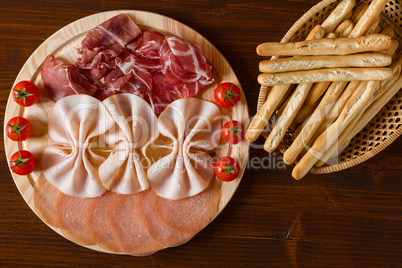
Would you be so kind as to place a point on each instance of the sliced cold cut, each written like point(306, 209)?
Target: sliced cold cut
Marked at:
point(131, 235)
point(157, 229)
point(189, 214)
point(97, 221)
point(71, 216)
point(45, 199)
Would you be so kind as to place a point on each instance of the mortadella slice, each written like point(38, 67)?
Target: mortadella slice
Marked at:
point(131, 235)
point(189, 214)
point(97, 223)
point(157, 229)
point(71, 215)
point(45, 199)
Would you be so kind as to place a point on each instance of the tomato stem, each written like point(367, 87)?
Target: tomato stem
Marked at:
point(228, 169)
point(22, 94)
point(228, 94)
point(17, 128)
point(235, 131)
point(19, 161)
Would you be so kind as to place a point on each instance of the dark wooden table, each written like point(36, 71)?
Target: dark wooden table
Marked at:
point(349, 218)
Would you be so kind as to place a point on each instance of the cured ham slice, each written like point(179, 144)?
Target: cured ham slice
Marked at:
point(123, 171)
point(157, 229)
point(131, 235)
point(71, 216)
point(113, 34)
point(191, 124)
point(190, 214)
point(70, 164)
point(61, 79)
point(148, 45)
point(97, 221)
point(45, 200)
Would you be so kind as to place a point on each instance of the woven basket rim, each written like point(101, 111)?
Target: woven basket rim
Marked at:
point(264, 91)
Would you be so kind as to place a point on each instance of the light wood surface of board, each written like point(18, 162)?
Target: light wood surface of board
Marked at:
point(63, 45)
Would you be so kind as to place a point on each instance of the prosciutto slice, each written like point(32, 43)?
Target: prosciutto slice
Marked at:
point(123, 171)
point(70, 164)
point(113, 34)
point(61, 79)
point(191, 124)
point(117, 57)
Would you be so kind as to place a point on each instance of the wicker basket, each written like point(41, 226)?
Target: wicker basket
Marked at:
point(384, 128)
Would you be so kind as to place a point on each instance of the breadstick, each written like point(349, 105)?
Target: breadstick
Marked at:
point(375, 27)
point(316, 62)
point(357, 101)
point(292, 107)
point(330, 74)
point(339, 13)
point(305, 112)
point(358, 12)
point(348, 16)
point(369, 17)
point(316, 92)
point(331, 35)
point(326, 46)
point(263, 115)
point(360, 121)
point(394, 46)
point(388, 31)
point(314, 122)
point(344, 29)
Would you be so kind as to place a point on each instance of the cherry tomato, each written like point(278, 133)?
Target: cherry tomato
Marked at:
point(227, 95)
point(22, 162)
point(25, 93)
point(227, 169)
point(233, 132)
point(18, 128)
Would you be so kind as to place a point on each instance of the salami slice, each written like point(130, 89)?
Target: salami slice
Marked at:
point(71, 215)
point(189, 214)
point(131, 235)
point(97, 221)
point(158, 230)
point(45, 199)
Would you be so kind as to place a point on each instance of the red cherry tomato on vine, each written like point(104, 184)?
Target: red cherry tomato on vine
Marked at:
point(233, 132)
point(227, 95)
point(22, 162)
point(227, 169)
point(25, 93)
point(18, 128)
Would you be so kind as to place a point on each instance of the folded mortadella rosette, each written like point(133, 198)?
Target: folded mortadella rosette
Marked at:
point(123, 171)
point(194, 126)
point(69, 163)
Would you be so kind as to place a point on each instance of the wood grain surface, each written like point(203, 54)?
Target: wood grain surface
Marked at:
point(351, 218)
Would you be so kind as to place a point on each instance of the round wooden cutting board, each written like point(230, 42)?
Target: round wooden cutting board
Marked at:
point(64, 43)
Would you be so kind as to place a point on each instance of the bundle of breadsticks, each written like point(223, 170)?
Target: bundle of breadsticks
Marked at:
point(327, 88)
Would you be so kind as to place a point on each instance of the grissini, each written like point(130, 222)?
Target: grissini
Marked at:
point(375, 28)
point(388, 31)
point(394, 46)
point(369, 17)
point(330, 74)
point(331, 35)
point(317, 62)
point(326, 46)
point(285, 119)
point(344, 29)
point(305, 111)
point(363, 118)
point(263, 115)
point(316, 92)
point(313, 122)
point(339, 13)
point(357, 101)
point(358, 12)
